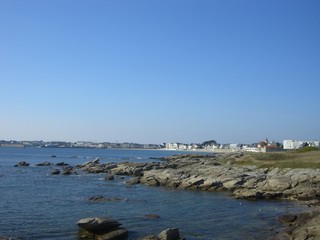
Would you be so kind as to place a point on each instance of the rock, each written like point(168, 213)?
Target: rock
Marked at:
point(84, 234)
point(55, 172)
point(62, 164)
point(151, 216)
point(169, 234)
point(116, 234)
point(109, 177)
point(105, 199)
point(288, 218)
point(98, 225)
point(133, 181)
point(68, 170)
point(43, 164)
point(22, 164)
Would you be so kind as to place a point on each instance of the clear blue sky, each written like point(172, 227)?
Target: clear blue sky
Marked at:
point(160, 71)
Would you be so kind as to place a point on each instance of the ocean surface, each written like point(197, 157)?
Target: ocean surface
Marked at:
point(37, 205)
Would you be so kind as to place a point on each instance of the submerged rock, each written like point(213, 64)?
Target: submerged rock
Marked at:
point(116, 234)
point(105, 199)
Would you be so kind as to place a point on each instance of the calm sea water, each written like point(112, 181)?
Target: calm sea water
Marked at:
point(37, 205)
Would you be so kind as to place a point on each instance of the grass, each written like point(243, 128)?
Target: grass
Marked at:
point(294, 159)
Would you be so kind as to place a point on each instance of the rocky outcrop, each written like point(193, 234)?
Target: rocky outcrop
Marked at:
point(213, 173)
point(101, 229)
point(301, 226)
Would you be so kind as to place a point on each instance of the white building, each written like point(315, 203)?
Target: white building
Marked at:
point(295, 144)
point(292, 144)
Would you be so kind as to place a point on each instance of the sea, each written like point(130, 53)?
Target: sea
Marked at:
point(34, 204)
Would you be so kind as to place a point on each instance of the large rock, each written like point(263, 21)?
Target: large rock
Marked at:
point(98, 225)
point(169, 234)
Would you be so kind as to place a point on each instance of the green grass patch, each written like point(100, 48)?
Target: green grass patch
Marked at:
point(306, 149)
point(308, 159)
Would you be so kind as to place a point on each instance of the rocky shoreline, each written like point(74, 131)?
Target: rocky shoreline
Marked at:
point(220, 172)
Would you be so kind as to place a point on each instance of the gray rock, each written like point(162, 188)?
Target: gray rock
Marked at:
point(55, 172)
point(109, 177)
point(43, 164)
point(98, 225)
point(62, 164)
point(169, 234)
point(133, 181)
point(22, 164)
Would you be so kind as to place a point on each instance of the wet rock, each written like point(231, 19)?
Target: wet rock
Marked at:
point(43, 164)
point(169, 234)
point(62, 164)
point(55, 172)
point(68, 170)
point(101, 229)
point(105, 199)
point(109, 177)
point(133, 181)
point(301, 226)
point(98, 225)
point(22, 164)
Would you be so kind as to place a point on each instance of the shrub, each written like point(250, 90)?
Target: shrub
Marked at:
point(307, 149)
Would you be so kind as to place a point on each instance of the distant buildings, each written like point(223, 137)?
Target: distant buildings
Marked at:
point(295, 144)
point(262, 146)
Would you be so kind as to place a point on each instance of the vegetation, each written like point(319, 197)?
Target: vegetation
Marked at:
point(306, 149)
point(305, 158)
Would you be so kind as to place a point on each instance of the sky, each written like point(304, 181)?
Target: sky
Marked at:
point(160, 71)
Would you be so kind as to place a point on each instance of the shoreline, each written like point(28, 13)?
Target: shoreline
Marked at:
point(225, 172)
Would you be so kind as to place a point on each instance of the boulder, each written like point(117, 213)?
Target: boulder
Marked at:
point(169, 234)
point(133, 181)
point(55, 172)
point(98, 225)
point(109, 177)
